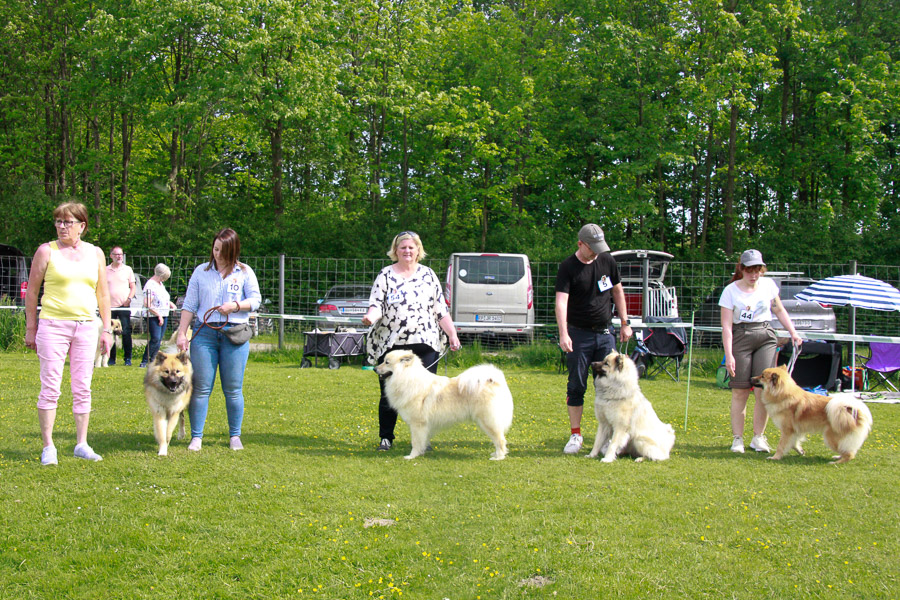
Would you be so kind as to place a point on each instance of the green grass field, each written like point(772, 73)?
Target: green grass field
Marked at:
point(310, 510)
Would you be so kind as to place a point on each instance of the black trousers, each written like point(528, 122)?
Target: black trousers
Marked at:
point(387, 416)
point(124, 315)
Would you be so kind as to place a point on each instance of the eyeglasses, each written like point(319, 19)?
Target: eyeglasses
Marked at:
point(412, 233)
point(117, 254)
point(66, 224)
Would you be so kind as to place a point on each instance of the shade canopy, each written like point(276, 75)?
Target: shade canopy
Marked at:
point(853, 290)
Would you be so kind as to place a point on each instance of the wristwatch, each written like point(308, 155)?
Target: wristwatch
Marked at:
point(626, 322)
point(108, 330)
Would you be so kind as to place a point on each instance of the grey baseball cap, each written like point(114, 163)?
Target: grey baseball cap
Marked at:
point(752, 258)
point(593, 236)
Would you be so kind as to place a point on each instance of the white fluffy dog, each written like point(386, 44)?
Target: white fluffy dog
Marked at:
point(429, 402)
point(626, 420)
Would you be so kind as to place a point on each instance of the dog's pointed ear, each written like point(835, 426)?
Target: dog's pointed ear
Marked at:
point(184, 357)
point(596, 368)
point(620, 362)
point(160, 358)
point(775, 377)
point(407, 357)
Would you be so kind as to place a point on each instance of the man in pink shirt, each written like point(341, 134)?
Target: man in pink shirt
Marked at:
point(121, 282)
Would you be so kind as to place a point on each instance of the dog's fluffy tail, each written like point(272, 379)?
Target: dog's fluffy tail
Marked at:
point(851, 420)
point(472, 381)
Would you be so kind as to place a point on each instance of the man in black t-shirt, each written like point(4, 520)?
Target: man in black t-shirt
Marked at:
point(587, 286)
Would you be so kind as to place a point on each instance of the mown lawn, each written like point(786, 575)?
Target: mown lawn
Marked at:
point(310, 510)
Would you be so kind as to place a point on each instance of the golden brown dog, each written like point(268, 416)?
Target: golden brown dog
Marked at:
point(845, 423)
point(167, 387)
point(100, 359)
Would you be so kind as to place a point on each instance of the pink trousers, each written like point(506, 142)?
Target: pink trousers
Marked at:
point(55, 340)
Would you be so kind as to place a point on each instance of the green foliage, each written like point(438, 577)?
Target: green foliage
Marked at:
point(318, 128)
point(12, 327)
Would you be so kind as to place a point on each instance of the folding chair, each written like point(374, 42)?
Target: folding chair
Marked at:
point(665, 347)
point(884, 362)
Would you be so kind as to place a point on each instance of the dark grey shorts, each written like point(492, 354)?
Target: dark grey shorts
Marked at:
point(754, 347)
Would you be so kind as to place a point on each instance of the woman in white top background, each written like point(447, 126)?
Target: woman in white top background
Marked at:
point(158, 303)
point(747, 306)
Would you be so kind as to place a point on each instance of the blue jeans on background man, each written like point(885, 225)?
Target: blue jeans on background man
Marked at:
point(157, 332)
point(124, 315)
point(211, 351)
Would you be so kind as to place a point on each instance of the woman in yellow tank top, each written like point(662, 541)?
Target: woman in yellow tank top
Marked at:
point(73, 274)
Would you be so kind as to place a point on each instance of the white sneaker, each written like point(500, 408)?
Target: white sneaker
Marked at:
point(195, 444)
point(86, 452)
point(574, 445)
point(760, 444)
point(738, 444)
point(235, 443)
point(48, 456)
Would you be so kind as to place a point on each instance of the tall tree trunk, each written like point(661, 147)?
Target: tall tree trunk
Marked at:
point(707, 191)
point(112, 147)
point(784, 177)
point(729, 178)
point(404, 164)
point(95, 130)
point(127, 139)
point(275, 140)
point(661, 203)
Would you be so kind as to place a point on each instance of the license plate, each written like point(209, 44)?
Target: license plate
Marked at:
point(488, 318)
point(353, 311)
point(803, 323)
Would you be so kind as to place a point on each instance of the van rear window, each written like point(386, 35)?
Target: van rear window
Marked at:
point(491, 270)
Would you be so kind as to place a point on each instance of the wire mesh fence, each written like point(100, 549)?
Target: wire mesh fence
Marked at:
point(292, 287)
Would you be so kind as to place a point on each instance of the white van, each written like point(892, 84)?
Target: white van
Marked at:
point(491, 294)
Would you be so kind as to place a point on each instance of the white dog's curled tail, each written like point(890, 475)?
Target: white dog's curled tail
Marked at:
point(472, 381)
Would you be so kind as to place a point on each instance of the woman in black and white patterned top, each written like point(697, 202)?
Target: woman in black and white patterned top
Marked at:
point(407, 309)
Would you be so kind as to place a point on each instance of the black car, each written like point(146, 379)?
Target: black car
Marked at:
point(13, 276)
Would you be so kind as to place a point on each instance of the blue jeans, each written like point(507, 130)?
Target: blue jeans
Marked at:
point(587, 346)
point(211, 350)
point(156, 335)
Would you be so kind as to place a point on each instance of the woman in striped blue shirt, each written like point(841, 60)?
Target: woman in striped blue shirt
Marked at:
point(221, 293)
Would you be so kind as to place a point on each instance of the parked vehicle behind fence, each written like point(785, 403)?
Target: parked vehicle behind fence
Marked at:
point(491, 295)
point(662, 301)
point(13, 275)
point(346, 300)
point(808, 317)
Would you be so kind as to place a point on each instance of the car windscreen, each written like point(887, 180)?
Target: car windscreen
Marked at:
point(348, 291)
point(789, 289)
point(491, 270)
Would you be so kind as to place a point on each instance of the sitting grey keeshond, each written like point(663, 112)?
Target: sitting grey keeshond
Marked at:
point(626, 421)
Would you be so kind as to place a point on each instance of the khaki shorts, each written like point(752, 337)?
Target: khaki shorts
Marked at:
point(754, 347)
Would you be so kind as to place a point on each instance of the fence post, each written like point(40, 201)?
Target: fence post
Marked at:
point(281, 301)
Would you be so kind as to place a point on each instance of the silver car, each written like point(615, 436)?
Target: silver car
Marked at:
point(809, 317)
point(345, 300)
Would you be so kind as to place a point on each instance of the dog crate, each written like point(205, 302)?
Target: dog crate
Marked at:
point(819, 364)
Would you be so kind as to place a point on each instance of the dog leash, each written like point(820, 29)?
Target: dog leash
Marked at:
point(795, 354)
point(442, 355)
point(206, 317)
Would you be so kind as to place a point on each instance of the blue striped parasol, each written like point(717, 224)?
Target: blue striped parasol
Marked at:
point(855, 291)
